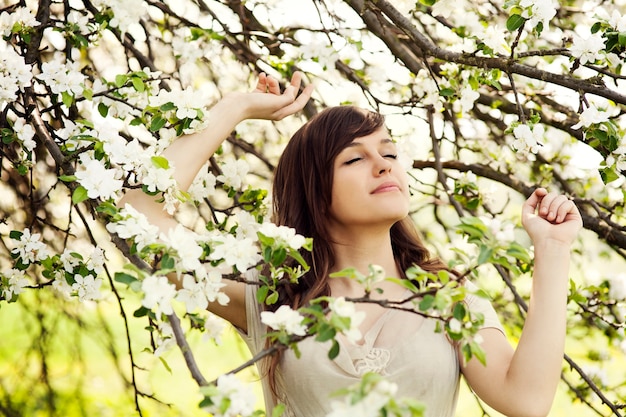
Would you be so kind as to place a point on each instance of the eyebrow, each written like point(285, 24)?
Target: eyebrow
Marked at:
point(382, 141)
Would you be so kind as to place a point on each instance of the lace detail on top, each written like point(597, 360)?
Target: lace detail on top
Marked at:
point(375, 361)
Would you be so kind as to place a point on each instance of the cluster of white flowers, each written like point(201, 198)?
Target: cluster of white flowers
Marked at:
point(239, 253)
point(284, 236)
point(126, 12)
point(587, 48)
point(502, 232)
point(21, 15)
point(30, 248)
point(87, 287)
point(134, 225)
point(539, 11)
point(591, 115)
point(25, 133)
point(188, 101)
point(14, 73)
point(285, 318)
point(203, 185)
point(425, 87)
point(15, 283)
point(62, 76)
point(370, 405)
point(496, 38)
point(196, 295)
point(343, 308)
point(165, 339)
point(233, 173)
point(238, 398)
point(185, 243)
point(99, 181)
point(528, 141)
point(158, 294)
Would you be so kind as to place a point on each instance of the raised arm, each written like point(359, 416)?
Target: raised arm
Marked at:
point(189, 153)
point(523, 382)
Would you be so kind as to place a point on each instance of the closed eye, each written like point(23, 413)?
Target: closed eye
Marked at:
point(352, 161)
point(392, 156)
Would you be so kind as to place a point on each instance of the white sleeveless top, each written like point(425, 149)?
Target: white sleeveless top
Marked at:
point(401, 346)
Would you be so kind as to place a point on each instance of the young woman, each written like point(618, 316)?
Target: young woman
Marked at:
point(340, 182)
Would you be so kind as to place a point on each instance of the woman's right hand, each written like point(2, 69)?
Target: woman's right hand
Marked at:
point(267, 102)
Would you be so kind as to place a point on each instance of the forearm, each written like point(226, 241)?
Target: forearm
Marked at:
point(188, 154)
point(535, 369)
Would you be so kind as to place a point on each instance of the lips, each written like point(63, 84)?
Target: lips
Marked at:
point(386, 187)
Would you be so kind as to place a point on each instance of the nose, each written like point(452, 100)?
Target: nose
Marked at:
point(382, 166)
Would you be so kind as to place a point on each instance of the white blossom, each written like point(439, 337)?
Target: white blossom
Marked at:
point(283, 235)
point(233, 173)
point(285, 318)
point(30, 248)
point(239, 397)
point(185, 243)
point(134, 225)
point(20, 15)
point(240, 253)
point(158, 294)
point(14, 73)
point(25, 132)
point(203, 185)
point(587, 49)
point(213, 328)
point(468, 98)
point(126, 12)
point(62, 76)
point(527, 140)
point(539, 11)
point(61, 287)
point(591, 115)
point(87, 287)
point(16, 282)
point(368, 405)
point(70, 260)
point(98, 180)
point(165, 339)
point(503, 233)
point(495, 38)
point(343, 308)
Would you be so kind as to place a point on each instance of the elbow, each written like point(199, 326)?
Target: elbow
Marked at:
point(532, 409)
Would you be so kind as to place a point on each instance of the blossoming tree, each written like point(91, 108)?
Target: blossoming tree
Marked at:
point(487, 99)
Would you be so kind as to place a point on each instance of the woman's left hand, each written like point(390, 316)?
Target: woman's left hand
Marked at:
point(551, 216)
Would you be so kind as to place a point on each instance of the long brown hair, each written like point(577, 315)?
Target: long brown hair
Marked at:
point(303, 182)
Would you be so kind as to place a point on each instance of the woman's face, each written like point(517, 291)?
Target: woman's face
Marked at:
point(370, 186)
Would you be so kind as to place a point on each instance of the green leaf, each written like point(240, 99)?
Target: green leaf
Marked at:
point(325, 333)
point(514, 22)
point(67, 98)
point(446, 92)
point(103, 109)
point(261, 294)
point(278, 410)
point(485, 254)
point(167, 262)
point(621, 38)
point(165, 364)
point(608, 175)
point(141, 312)
point(138, 84)
point(427, 302)
point(334, 351)
point(79, 195)
point(160, 162)
point(120, 80)
point(15, 234)
point(157, 123)
point(67, 178)
point(124, 278)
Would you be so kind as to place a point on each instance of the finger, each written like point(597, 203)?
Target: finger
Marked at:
point(261, 84)
point(553, 207)
point(544, 204)
point(565, 209)
point(533, 201)
point(296, 105)
point(272, 85)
